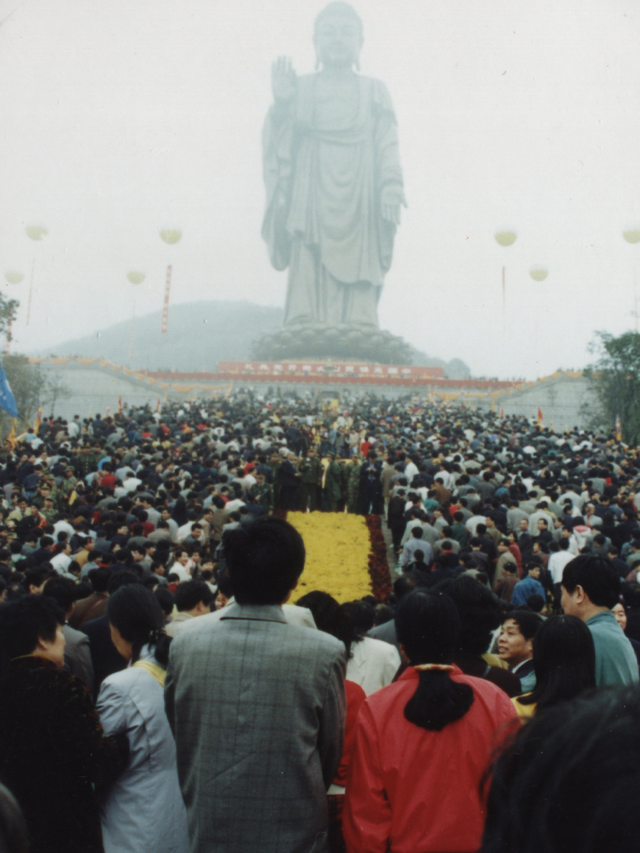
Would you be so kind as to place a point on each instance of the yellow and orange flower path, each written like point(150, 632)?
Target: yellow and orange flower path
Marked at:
point(338, 547)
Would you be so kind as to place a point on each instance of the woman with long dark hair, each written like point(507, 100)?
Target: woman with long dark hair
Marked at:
point(564, 661)
point(422, 743)
point(144, 808)
point(561, 784)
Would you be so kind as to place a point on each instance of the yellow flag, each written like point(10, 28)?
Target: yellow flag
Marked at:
point(11, 438)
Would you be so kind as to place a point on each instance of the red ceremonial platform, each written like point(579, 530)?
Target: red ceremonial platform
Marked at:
point(330, 372)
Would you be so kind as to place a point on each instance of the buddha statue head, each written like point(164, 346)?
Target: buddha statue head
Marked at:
point(338, 36)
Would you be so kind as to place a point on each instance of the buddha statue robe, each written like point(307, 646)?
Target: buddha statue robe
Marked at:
point(327, 157)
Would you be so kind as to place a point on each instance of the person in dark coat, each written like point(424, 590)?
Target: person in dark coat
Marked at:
point(289, 483)
point(52, 747)
point(372, 500)
point(479, 616)
point(105, 658)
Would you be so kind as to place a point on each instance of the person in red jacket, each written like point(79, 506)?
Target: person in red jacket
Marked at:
point(422, 744)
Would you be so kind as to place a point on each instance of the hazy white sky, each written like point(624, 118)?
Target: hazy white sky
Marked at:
point(123, 117)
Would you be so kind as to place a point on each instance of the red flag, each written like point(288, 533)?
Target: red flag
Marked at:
point(120, 404)
point(539, 415)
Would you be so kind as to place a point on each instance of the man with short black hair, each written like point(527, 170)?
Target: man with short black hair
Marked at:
point(515, 645)
point(414, 543)
point(530, 585)
point(77, 655)
point(192, 598)
point(261, 702)
point(590, 588)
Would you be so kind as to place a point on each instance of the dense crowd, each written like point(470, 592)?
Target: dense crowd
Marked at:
point(159, 692)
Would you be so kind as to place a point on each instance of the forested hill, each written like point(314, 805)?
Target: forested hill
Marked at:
point(200, 334)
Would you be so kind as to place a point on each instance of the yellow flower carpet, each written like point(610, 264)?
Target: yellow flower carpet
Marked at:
point(338, 548)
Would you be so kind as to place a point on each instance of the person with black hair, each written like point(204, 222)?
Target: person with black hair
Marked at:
point(143, 809)
point(166, 601)
point(402, 586)
point(77, 655)
point(529, 585)
point(104, 655)
point(559, 786)
point(433, 724)
point(44, 553)
point(52, 746)
point(620, 612)
point(396, 518)
point(192, 599)
point(479, 616)
point(418, 563)
point(515, 645)
point(94, 605)
point(564, 660)
point(36, 577)
point(505, 585)
point(537, 604)
point(590, 588)
point(254, 760)
point(371, 663)
point(416, 543)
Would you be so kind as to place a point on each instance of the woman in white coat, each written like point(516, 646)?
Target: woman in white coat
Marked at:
point(143, 811)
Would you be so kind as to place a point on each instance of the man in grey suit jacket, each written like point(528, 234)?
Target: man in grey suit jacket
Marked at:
point(257, 707)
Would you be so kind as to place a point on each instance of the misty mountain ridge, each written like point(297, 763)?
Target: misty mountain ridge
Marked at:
point(199, 335)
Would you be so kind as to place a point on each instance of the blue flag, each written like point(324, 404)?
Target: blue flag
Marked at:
point(7, 400)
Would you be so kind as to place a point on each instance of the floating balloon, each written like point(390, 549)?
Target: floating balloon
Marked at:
point(36, 232)
point(506, 238)
point(13, 277)
point(632, 235)
point(136, 277)
point(538, 273)
point(171, 235)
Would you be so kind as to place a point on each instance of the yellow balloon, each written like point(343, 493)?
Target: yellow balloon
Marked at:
point(171, 235)
point(506, 238)
point(538, 273)
point(136, 277)
point(13, 277)
point(632, 235)
point(36, 232)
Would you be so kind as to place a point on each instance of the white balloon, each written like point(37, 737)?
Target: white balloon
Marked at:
point(632, 235)
point(505, 238)
point(36, 232)
point(13, 277)
point(171, 235)
point(538, 273)
point(136, 277)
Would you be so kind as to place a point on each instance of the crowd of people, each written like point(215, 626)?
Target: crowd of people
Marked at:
point(159, 691)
